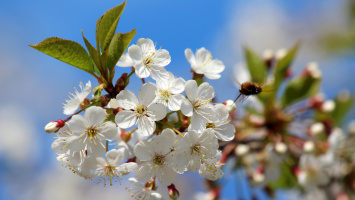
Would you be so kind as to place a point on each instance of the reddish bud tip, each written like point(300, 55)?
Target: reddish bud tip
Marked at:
point(173, 192)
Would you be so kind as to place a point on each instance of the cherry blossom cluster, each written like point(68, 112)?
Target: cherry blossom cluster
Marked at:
point(158, 134)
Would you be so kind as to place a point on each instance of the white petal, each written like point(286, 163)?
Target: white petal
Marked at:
point(95, 115)
point(162, 58)
point(101, 163)
point(175, 102)
point(114, 157)
point(178, 86)
point(76, 143)
point(125, 61)
point(125, 119)
point(141, 70)
point(162, 144)
point(147, 45)
point(78, 124)
point(190, 57)
point(186, 107)
point(159, 73)
point(225, 132)
point(108, 130)
point(166, 175)
point(86, 91)
point(71, 106)
point(191, 89)
point(144, 151)
point(126, 168)
point(198, 122)
point(169, 133)
point(96, 150)
point(59, 146)
point(205, 91)
point(212, 76)
point(157, 111)
point(202, 56)
point(135, 53)
point(127, 95)
point(146, 125)
point(144, 172)
point(147, 93)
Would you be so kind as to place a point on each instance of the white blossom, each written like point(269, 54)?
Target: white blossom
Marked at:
point(211, 169)
point(144, 112)
point(77, 98)
point(168, 92)
point(198, 104)
point(90, 132)
point(109, 167)
point(139, 191)
point(196, 148)
point(223, 130)
point(202, 63)
point(157, 160)
point(148, 61)
point(312, 172)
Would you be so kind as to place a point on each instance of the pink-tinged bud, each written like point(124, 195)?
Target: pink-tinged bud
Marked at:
point(317, 129)
point(126, 136)
point(296, 171)
point(308, 146)
point(54, 126)
point(103, 101)
point(258, 176)
point(230, 105)
point(327, 106)
point(121, 83)
point(280, 53)
point(173, 192)
point(312, 70)
point(316, 100)
point(280, 147)
point(268, 56)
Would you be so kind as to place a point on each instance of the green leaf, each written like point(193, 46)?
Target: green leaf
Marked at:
point(342, 107)
point(256, 66)
point(93, 53)
point(67, 51)
point(300, 88)
point(107, 24)
point(283, 65)
point(118, 46)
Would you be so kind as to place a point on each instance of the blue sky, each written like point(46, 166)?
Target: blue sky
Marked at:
point(35, 85)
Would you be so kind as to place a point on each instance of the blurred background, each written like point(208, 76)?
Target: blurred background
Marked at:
point(33, 85)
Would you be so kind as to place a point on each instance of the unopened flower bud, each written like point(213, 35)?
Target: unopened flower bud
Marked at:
point(84, 103)
point(242, 149)
point(54, 126)
point(173, 192)
point(308, 146)
point(312, 70)
point(317, 128)
point(258, 177)
point(268, 56)
point(288, 73)
point(121, 83)
point(230, 105)
point(280, 147)
point(126, 136)
point(327, 106)
point(280, 53)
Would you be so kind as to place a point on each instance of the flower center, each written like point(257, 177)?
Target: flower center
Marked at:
point(147, 61)
point(91, 132)
point(196, 149)
point(158, 160)
point(210, 125)
point(141, 110)
point(109, 170)
point(165, 94)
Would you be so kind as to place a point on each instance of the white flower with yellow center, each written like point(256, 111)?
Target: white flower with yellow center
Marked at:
point(198, 104)
point(157, 160)
point(148, 61)
point(168, 92)
point(144, 112)
point(202, 63)
point(109, 167)
point(211, 169)
point(195, 148)
point(90, 132)
point(77, 99)
point(223, 130)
